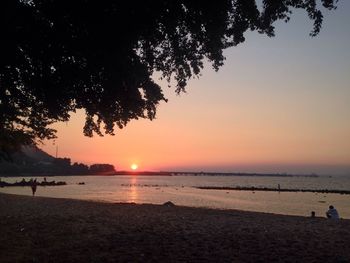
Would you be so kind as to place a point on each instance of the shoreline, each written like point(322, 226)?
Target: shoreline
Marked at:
point(288, 203)
point(40, 229)
point(166, 204)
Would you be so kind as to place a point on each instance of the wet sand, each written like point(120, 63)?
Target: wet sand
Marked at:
point(35, 229)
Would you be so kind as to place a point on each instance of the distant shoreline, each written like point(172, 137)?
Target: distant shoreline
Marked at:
point(162, 173)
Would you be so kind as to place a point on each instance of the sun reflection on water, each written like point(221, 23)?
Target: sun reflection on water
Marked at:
point(133, 193)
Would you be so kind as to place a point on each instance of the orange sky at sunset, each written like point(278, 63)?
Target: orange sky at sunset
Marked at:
point(277, 105)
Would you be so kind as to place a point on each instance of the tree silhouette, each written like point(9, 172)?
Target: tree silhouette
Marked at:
point(58, 56)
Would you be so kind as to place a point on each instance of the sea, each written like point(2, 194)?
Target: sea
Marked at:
point(182, 191)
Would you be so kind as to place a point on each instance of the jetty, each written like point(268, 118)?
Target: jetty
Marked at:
point(269, 189)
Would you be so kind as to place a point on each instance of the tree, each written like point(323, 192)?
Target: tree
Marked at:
point(102, 168)
point(58, 56)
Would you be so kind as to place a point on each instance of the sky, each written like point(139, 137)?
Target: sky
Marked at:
point(279, 105)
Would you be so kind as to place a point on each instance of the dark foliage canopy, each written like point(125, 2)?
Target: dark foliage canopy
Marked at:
point(57, 56)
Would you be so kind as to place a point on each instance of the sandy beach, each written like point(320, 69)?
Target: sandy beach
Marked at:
point(35, 229)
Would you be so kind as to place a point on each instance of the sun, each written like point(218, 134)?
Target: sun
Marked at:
point(134, 166)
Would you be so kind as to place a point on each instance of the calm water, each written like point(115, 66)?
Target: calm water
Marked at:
point(180, 190)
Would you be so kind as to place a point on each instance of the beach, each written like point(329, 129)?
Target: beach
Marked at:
point(38, 229)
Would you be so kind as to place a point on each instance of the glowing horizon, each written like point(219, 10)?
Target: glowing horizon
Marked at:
point(279, 105)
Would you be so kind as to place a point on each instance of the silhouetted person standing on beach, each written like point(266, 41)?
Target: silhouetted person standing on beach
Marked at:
point(33, 185)
point(332, 213)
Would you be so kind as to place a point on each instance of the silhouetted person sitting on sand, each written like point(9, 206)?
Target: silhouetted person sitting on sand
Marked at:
point(332, 213)
point(33, 185)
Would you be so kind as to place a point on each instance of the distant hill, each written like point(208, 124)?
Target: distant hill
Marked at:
point(31, 154)
point(33, 161)
point(37, 154)
point(30, 160)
